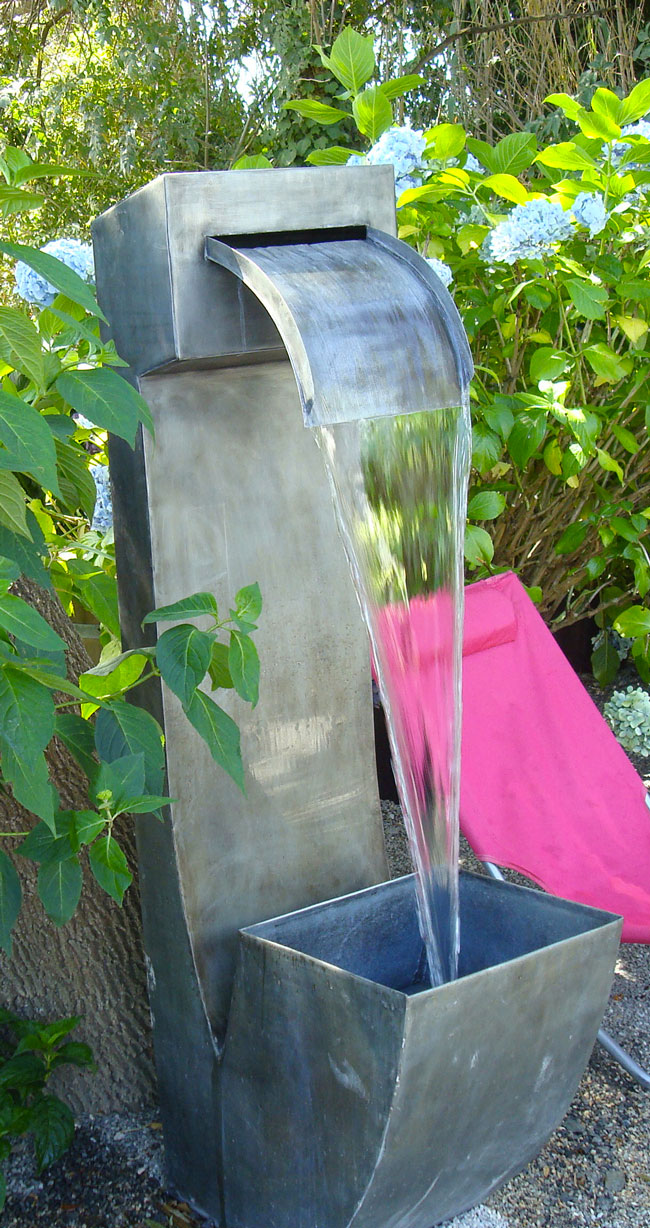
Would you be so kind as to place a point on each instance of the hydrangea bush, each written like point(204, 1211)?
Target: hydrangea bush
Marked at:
point(548, 252)
point(34, 288)
point(628, 715)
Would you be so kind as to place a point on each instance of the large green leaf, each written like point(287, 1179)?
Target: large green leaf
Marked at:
point(13, 513)
point(336, 155)
point(605, 662)
point(24, 622)
point(106, 399)
point(188, 607)
point(526, 437)
point(310, 108)
point(45, 844)
point(508, 187)
point(486, 505)
point(605, 362)
point(183, 655)
point(30, 783)
point(20, 344)
point(78, 736)
point(352, 59)
point(29, 441)
point(248, 603)
point(56, 274)
point(478, 545)
point(633, 622)
point(396, 87)
point(588, 299)
point(28, 554)
point(637, 103)
point(125, 729)
point(76, 483)
point(513, 154)
point(10, 900)
point(52, 1126)
point(104, 682)
point(372, 112)
point(572, 537)
point(598, 126)
point(108, 864)
point(59, 888)
point(566, 156)
point(220, 734)
point(244, 666)
point(218, 667)
point(26, 713)
point(486, 447)
point(123, 777)
point(604, 102)
point(97, 591)
point(13, 200)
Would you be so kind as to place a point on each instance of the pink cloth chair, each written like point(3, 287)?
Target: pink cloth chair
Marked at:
point(546, 789)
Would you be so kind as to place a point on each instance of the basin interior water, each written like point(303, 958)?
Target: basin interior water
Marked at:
point(375, 933)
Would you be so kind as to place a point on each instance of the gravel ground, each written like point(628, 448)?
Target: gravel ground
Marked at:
point(594, 1171)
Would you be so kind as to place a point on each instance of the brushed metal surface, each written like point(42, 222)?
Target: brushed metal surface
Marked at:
point(166, 303)
point(350, 1103)
point(369, 328)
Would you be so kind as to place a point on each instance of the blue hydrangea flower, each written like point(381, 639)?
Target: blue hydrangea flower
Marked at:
point(642, 128)
point(528, 232)
point(401, 148)
point(441, 270)
point(589, 210)
point(35, 289)
point(472, 164)
point(103, 514)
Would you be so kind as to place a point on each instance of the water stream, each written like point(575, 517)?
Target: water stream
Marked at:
point(399, 487)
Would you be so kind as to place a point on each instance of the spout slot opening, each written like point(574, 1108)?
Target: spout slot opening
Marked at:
point(284, 238)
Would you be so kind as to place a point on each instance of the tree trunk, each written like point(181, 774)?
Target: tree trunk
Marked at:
point(93, 966)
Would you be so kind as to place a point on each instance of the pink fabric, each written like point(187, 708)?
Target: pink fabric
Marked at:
point(546, 789)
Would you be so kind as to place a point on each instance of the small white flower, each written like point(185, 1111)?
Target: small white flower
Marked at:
point(528, 232)
point(441, 270)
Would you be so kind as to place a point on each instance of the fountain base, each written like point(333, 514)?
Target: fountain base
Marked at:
point(354, 1096)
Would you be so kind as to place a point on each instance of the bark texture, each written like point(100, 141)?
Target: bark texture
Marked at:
point(93, 966)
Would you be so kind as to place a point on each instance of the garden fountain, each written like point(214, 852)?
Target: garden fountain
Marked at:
point(310, 1076)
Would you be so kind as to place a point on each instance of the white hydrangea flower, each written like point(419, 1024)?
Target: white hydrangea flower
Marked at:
point(441, 270)
point(589, 210)
point(473, 165)
point(628, 716)
point(642, 128)
point(401, 148)
point(35, 289)
point(528, 232)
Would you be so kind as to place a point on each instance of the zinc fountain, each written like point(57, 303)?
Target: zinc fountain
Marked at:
point(312, 1073)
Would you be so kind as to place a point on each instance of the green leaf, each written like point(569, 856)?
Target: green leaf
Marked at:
point(526, 437)
point(486, 505)
point(59, 888)
point(566, 104)
point(44, 844)
point(633, 622)
point(78, 736)
point(598, 126)
point(12, 504)
point(218, 667)
point(123, 777)
point(605, 103)
point(486, 447)
point(75, 480)
point(478, 545)
point(352, 59)
point(626, 439)
point(30, 783)
point(605, 362)
point(608, 463)
point(105, 399)
point(108, 864)
point(396, 87)
point(56, 273)
point(10, 900)
point(97, 591)
point(252, 162)
point(26, 713)
point(310, 108)
point(9, 571)
point(103, 681)
point(182, 656)
point(13, 200)
point(248, 603)
point(149, 803)
point(125, 729)
point(637, 103)
point(20, 344)
point(605, 662)
point(24, 622)
point(336, 155)
point(81, 826)
point(372, 112)
point(188, 607)
point(513, 154)
point(445, 141)
point(220, 734)
point(508, 187)
point(588, 299)
point(244, 666)
point(74, 1053)
point(548, 364)
point(23, 1070)
point(52, 1126)
point(28, 554)
point(29, 442)
point(566, 156)
point(572, 537)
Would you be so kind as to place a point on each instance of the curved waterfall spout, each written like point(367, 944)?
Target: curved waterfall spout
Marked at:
point(370, 330)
